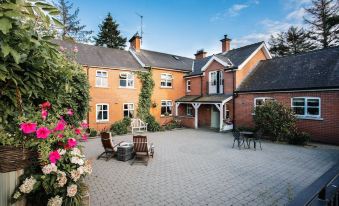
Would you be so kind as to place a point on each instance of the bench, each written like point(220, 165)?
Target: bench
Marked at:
point(139, 125)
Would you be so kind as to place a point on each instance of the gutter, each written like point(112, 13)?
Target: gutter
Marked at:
point(234, 95)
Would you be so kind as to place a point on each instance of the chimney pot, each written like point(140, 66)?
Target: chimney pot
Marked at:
point(135, 42)
point(200, 54)
point(225, 44)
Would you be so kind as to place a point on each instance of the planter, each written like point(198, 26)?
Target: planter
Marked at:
point(13, 158)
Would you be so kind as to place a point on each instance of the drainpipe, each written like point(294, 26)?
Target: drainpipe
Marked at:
point(234, 95)
point(87, 72)
point(200, 85)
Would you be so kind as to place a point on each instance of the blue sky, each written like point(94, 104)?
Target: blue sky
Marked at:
point(183, 26)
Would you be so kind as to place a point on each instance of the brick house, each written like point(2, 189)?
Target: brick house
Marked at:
point(209, 87)
point(308, 83)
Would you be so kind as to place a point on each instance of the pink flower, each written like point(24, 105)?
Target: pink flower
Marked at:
point(46, 105)
point(84, 125)
point(75, 49)
point(84, 137)
point(43, 133)
point(44, 114)
point(60, 125)
point(60, 136)
point(70, 112)
point(54, 156)
point(71, 143)
point(77, 131)
point(28, 128)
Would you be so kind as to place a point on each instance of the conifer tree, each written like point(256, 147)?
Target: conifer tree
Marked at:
point(323, 15)
point(109, 34)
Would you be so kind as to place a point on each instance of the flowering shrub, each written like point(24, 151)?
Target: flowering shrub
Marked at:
point(57, 176)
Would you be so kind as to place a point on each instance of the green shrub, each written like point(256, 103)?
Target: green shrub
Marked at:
point(153, 125)
point(93, 133)
point(298, 138)
point(121, 127)
point(275, 120)
point(249, 129)
point(172, 125)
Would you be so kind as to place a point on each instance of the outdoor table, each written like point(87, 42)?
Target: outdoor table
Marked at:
point(247, 136)
point(125, 151)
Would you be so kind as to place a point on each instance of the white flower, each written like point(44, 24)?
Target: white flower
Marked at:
point(88, 167)
point(81, 170)
point(61, 151)
point(62, 179)
point(55, 201)
point(75, 175)
point(27, 185)
point(81, 162)
point(72, 190)
point(75, 152)
point(47, 169)
point(16, 195)
point(77, 160)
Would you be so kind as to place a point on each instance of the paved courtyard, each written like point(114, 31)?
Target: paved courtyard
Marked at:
point(199, 167)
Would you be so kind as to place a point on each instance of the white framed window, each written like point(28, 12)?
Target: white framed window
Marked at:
point(189, 110)
point(166, 107)
point(259, 101)
point(126, 80)
point(101, 78)
point(188, 85)
point(306, 106)
point(128, 110)
point(102, 111)
point(166, 80)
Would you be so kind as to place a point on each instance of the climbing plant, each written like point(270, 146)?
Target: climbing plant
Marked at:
point(145, 101)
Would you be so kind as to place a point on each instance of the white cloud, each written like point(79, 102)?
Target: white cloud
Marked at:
point(236, 8)
point(297, 14)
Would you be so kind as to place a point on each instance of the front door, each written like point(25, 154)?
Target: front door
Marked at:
point(215, 118)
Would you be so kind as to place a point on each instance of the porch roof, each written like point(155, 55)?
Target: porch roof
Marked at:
point(205, 99)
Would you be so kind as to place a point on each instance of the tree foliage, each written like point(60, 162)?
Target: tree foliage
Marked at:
point(72, 27)
point(323, 15)
point(109, 34)
point(32, 69)
point(294, 41)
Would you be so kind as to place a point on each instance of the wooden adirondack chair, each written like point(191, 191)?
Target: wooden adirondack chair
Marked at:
point(107, 143)
point(142, 149)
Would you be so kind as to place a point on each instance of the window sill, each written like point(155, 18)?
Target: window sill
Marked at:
point(102, 87)
point(165, 116)
point(166, 87)
point(309, 118)
point(102, 121)
point(126, 87)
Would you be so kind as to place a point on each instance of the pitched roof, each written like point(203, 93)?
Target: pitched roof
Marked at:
point(101, 56)
point(235, 57)
point(163, 60)
point(204, 99)
point(317, 69)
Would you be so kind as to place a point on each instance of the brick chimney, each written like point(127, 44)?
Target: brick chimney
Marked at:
point(200, 54)
point(225, 44)
point(135, 42)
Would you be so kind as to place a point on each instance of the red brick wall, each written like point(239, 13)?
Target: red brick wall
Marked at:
point(195, 85)
point(326, 130)
point(228, 82)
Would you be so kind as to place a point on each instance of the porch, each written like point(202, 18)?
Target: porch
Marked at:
point(212, 111)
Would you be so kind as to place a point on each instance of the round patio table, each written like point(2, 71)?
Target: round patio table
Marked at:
point(247, 136)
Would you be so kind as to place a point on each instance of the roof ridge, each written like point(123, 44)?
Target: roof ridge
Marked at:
point(166, 53)
point(303, 53)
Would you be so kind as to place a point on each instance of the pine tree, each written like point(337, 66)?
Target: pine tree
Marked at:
point(298, 41)
point(72, 27)
point(323, 31)
point(109, 34)
point(278, 46)
point(294, 41)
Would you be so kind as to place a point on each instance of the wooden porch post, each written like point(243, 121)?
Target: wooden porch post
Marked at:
point(176, 108)
point(196, 107)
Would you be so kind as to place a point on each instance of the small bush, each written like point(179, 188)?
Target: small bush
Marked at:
point(93, 133)
point(275, 120)
point(298, 138)
point(153, 125)
point(172, 125)
point(249, 129)
point(121, 127)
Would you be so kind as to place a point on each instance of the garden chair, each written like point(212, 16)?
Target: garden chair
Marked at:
point(138, 124)
point(109, 147)
point(237, 138)
point(257, 138)
point(142, 149)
